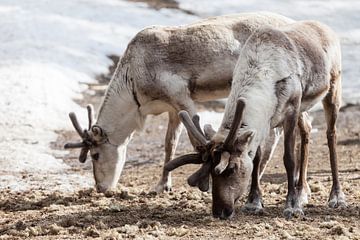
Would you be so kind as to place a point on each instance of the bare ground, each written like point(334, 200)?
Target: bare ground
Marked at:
point(185, 212)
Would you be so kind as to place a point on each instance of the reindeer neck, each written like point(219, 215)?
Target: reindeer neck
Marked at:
point(260, 105)
point(119, 112)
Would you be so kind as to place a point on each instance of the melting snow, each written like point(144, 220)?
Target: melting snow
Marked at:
point(48, 48)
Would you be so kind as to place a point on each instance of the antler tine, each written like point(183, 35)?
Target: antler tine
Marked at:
point(76, 124)
point(240, 105)
point(201, 177)
point(196, 121)
point(191, 128)
point(90, 110)
point(83, 154)
point(74, 145)
point(209, 131)
point(194, 158)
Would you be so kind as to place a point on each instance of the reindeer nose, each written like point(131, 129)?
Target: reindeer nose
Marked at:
point(100, 188)
point(225, 213)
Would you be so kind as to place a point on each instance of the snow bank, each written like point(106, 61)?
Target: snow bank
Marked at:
point(47, 48)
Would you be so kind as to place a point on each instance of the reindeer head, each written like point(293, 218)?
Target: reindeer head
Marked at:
point(103, 153)
point(228, 162)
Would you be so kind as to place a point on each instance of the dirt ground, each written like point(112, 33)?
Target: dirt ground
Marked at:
point(185, 213)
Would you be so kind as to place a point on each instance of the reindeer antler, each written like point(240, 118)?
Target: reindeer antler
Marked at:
point(191, 127)
point(240, 105)
point(201, 177)
point(86, 143)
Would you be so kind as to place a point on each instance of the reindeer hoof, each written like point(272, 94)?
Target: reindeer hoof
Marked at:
point(337, 200)
point(298, 212)
point(253, 208)
point(160, 188)
point(288, 213)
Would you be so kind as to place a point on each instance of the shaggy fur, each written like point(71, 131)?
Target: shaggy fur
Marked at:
point(282, 72)
point(165, 69)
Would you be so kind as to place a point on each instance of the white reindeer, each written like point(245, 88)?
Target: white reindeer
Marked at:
point(281, 73)
point(165, 69)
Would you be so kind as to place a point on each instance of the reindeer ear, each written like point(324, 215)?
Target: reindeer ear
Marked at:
point(244, 140)
point(247, 136)
point(97, 131)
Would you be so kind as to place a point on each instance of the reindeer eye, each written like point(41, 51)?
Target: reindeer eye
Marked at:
point(95, 156)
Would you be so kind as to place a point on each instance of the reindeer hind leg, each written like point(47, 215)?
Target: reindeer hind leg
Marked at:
point(305, 127)
point(331, 105)
point(171, 140)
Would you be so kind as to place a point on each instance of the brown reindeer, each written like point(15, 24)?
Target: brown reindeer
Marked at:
point(165, 69)
point(281, 73)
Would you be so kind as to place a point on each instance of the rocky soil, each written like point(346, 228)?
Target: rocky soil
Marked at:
point(185, 213)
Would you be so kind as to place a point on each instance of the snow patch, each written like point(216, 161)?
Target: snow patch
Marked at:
point(47, 49)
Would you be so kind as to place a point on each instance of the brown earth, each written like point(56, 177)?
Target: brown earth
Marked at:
point(185, 212)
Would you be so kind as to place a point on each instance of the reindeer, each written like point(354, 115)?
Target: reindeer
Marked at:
point(281, 73)
point(164, 69)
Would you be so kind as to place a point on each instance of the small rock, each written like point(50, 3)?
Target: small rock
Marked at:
point(286, 235)
point(316, 187)
point(267, 226)
point(194, 196)
point(92, 232)
point(338, 230)
point(54, 229)
point(88, 218)
point(131, 230)
point(329, 224)
point(86, 192)
point(279, 224)
point(33, 231)
point(68, 222)
point(179, 232)
point(113, 235)
point(115, 208)
point(20, 225)
point(13, 232)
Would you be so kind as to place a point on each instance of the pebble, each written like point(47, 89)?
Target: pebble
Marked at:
point(115, 208)
point(92, 232)
point(20, 225)
point(339, 230)
point(179, 232)
point(329, 224)
point(316, 187)
point(33, 231)
point(286, 235)
point(54, 229)
point(131, 230)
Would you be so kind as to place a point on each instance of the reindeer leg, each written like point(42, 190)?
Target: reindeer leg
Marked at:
point(171, 140)
point(268, 148)
point(292, 204)
point(302, 185)
point(254, 202)
point(331, 105)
